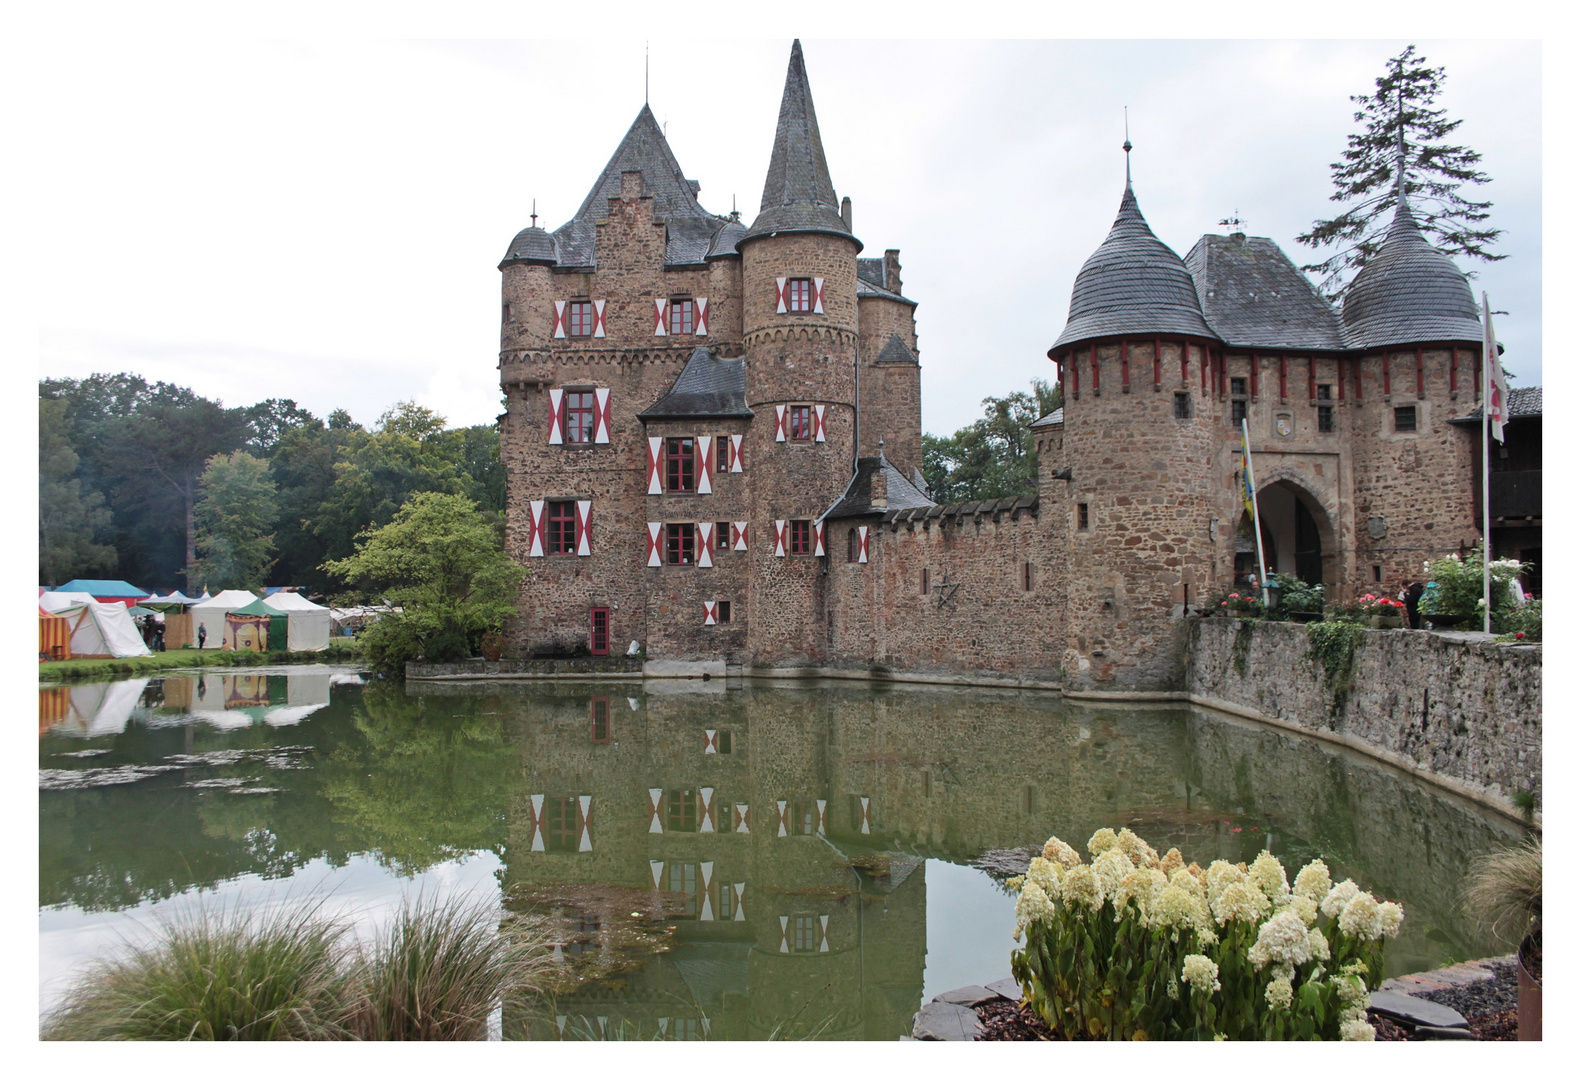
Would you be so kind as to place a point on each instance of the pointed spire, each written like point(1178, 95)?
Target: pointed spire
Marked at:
point(643, 149)
point(798, 195)
point(1126, 146)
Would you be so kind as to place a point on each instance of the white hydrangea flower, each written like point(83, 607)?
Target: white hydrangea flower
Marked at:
point(1282, 940)
point(1141, 885)
point(1313, 880)
point(1058, 851)
point(1392, 916)
point(1348, 983)
point(1221, 875)
point(1201, 973)
point(1014, 884)
point(1304, 906)
point(1356, 1031)
point(1240, 900)
point(1029, 906)
point(1338, 897)
point(1047, 874)
point(1171, 862)
point(1176, 909)
point(1102, 841)
point(1279, 994)
point(1139, 851)
point(1268, 874)
point(1082, 888)
point(1185, 879)
point(1317, 944)
point(1206, 938)
point(1362, 918)
point(1111, 868)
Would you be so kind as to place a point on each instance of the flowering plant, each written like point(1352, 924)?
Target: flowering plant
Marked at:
point(1140, 946)
point(1380, 605)
point(1456, 585)
point(1236, 605)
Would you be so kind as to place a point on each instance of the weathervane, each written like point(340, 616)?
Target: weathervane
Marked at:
point(1234, 221)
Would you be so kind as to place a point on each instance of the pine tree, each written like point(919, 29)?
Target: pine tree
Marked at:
point(1401, 145)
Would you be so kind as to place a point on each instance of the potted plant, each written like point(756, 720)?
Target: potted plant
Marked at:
point(1382, 612)
point(1453, 596)
point(1235, 605)
point(1298, 601)
point(1505, 890)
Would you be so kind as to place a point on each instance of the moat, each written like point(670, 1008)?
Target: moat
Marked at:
point(719, 860)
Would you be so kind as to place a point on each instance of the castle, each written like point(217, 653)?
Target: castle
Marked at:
point(713, 438)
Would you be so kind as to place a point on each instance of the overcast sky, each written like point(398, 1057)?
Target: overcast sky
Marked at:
point(322, 219)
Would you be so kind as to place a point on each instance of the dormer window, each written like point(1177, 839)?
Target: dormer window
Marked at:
point(683, 315)
point(798, 295)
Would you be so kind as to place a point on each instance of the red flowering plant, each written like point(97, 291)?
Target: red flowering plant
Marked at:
point(1380, 605)
point(1236, 605)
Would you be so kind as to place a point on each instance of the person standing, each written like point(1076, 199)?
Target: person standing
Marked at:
point(203, 634)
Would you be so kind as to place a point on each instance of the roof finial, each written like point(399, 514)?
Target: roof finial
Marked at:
point(1400, 145)
point(534, 214)
point(1126, 146)
point(1234, 221)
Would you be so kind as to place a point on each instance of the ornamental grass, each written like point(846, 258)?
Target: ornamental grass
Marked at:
point(1139, 946)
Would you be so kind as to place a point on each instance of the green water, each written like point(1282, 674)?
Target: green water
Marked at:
point(688, 903)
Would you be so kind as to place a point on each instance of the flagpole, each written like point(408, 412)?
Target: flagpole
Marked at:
point(1257, 525)
point(1489, 357)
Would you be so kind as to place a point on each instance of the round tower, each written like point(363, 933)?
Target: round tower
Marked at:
point(799, 333)
point(1136, 364)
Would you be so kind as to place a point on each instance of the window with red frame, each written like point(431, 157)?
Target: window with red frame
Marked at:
point(721, 454)
point(580, 411)
point(680, 465)
point(598, 715)
point(560, 823)
point(680, 544)
point(855, 552)
point(579, 318)
point(801, 538)
point(800, 423)
point(683, 316)
point(798, 294)
point(721, 536)
point(561, 526)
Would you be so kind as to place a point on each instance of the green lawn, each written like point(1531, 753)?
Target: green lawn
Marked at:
point(340, 651)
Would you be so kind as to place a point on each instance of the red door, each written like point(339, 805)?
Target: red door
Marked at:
point(598, 632)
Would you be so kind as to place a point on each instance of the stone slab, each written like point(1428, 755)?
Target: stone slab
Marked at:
point(1008, 989)
point(1463, 974)
point(940, 1021)
point(969, 996)
point(1423, 1034)
point(1415, 1011)
point(684, 669)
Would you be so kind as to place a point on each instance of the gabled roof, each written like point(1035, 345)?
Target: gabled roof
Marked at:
point(1252, 295)
point(798, 195)
point(102, 587)
point(857, 499)
point(1409, 292)
point(895, 352)
point(1055, 417)
point(1133, 284)
point(707, 386)
point(1525, 402)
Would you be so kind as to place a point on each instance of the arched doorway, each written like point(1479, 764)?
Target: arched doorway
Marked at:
point(1297, 536)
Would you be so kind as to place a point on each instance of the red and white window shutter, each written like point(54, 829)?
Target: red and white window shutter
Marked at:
point(817, 422)
point(705, 543)
point(655, 825)
point(738, 535)
point(710, 741)
point(779, 539)
point(705, 823)
point(706, 872)
point(779, 423)
point(861, 543)
point(584, 821)
point(710, 613)
point(537, 822)
point(601, 418)
point(555, 412)
point(598, 318)
point(584, 519)
point(535, 530)
point(705, 464)
point(559, 318)
point(735, 453)
point(661, 317)
point(817, 537)
point(655, 459)
point(779, 297)
point(655, 528)
point(817, 296)
point(702, 316)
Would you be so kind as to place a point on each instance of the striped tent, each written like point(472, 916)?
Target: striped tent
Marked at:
point(54, 637)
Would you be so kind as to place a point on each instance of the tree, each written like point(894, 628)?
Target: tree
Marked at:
point(992, 458)
point(69, 519)
point(269, 420)
point(442, 564)
point(1401, 146)
point(236, 513)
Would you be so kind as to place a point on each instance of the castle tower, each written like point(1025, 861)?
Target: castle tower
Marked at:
point(800, 335)
point(1139, 508)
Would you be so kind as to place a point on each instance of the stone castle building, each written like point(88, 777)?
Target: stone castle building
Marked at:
point(713, 437)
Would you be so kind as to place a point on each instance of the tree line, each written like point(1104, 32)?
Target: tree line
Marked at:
point(160, 486)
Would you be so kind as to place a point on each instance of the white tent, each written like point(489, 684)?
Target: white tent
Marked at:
point(55, 602)
point(211, 615)
point(99, 630)
point(101, 708)
point(307, 624)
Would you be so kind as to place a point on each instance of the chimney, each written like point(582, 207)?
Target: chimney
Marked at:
point(878, 488)
point(845, 212)
point(892, 270)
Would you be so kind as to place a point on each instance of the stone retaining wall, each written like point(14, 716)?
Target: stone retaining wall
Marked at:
point(528, 669)
point(1453, 706)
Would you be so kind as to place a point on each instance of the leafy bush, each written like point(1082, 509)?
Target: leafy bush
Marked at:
point(1332, 645)
point(1136, 946)
point(1297, 595)
point(1455, 587)
point(1524, 623)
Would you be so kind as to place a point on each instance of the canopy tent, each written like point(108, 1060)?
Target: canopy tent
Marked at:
point(257, 627)
point(106, 592)
point(59, 601)
point(174, 598)
point(210, 615)
point(308, 628)
point(54, 637)
point(103, 630)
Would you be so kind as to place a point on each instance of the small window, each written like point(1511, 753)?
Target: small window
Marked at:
point(1377, 573)
point(803, 817)
point(580, 411)
point(1081, 515)
point(683, 886)
point(925, 581)
point(680, 465)
point(798, 294)
point(561, 518)
point(560, 823)
point(1237, 401)
point(579, 318)
point(1325, 411)
point(505, 313)
point(723, 615)
point(1182, 406)
point(721, 536)
point(854, 546)
point(680, 544)
point(1026, 577)
point(683, 316)
point(1405, 418)
point(727, 895)
point(721, 454)
point(801, 537)
point(680, 812)
point(598, 719)
point(724, 742)
point(806, 935)
point(799, 423)
point(598, 632)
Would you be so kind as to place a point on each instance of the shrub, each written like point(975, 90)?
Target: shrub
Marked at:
point(1455, 587)
point(1136, 946)
point(1297, 595)
point(1236, 605)
point(1332, 645)
point(1525, 621)
point(1505, 890)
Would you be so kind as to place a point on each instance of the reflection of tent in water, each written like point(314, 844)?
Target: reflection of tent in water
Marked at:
point(304, 696)
point(308, 629)
point(53, 704)
point(99, 708)
point(232, 701)
point(257, 627)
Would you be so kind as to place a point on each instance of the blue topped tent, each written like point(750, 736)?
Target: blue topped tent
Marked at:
point(106, 592)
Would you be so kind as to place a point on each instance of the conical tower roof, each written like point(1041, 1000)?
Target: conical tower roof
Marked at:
point(1409, 292)
point(798, 195)
point(1133, 284)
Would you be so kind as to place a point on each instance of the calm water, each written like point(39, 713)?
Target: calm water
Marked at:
point(720, 861)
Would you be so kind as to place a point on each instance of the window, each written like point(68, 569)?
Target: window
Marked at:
point(1081, 515)
point(1377, 572)
point(680, 544)
point(579, 318)
point(799, 423)
point(1182, 406)
point(798, 294)
point(561, 518)
point(680, 810)
point(925, 581)
point(806, 936)
point(854, 546)
point(559, 823)
point(723, 742)
point(721, 536)
point(1026, 577)
point(723, 615)
point(680, 465)
point(1237, 401)
point(683, 316)
point(721, 454)
point(803, 817)
point(683, 886)
point(1405, 418)
point(505, 313)
point(801, 537)
point(1325, 411)
point(598, 716)
point(598, 631)
point(580, 411)
point(727, 895)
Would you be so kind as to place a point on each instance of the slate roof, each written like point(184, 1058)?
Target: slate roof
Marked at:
point(867, 288)
point(870, 271)
point(531, 245)
point(1525, 402)
point(725, 240)
point(707, 386)
point(1055, 417)
point(1253, 296)
point(963, 509)
point(856, 500)
point(1133, 284)
point(1409, 292)
point(798, 195)
point(895, 352)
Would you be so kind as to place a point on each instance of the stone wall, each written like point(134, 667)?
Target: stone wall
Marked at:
point(1467, 712)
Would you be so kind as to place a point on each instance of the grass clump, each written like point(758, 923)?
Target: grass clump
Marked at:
point(1505, 890)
